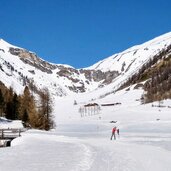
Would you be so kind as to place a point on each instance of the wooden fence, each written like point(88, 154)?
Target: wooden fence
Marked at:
point(10, 133)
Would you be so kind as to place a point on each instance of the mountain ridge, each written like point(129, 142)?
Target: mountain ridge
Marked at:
point(18, 64)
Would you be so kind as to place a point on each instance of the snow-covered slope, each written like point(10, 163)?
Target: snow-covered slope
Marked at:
point(132, 58)
point(129, 62)
point(19, 67)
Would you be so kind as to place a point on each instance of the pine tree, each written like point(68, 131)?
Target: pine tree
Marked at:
point(16, 105)
point(9, 110)
point(25, 116)
point(9, 104)
point(28, 108)
point(46, 109)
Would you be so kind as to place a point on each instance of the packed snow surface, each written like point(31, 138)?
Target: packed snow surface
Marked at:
point(83, 143)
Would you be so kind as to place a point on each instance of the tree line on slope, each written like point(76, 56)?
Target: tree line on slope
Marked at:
point(159, 86)
point(24, 107)
point(157, 76)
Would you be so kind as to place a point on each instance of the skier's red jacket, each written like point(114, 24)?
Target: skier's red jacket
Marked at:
point(114, 130)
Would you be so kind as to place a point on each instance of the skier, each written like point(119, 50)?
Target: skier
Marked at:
point(113, 133)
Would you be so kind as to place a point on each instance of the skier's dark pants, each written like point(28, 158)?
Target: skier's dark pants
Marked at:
point(113, 135)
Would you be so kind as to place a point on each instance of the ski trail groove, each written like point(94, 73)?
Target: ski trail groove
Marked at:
point(86, 160)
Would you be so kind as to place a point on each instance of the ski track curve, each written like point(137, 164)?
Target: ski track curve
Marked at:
point(86, 159)
point(48, 152)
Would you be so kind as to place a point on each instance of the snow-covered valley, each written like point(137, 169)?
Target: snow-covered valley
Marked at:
point(83, 143)
point(86, 106)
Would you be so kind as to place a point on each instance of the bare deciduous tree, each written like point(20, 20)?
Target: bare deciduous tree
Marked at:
point(45, 110)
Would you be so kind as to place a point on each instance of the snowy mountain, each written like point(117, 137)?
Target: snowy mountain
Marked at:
point(20, 67)
point(81, 140)
point(134, 57)
point(130, 61)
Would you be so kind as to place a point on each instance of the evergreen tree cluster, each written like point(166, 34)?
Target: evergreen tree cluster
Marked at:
point(157, 74)
point(25, 108)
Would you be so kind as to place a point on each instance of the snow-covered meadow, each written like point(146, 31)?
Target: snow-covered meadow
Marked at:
point(83, 143)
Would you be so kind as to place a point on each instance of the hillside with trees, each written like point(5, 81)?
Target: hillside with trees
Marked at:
point(159, 86)
point(157, 76)
point(24, 107)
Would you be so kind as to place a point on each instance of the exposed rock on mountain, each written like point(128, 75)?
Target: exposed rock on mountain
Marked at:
point(20, 67)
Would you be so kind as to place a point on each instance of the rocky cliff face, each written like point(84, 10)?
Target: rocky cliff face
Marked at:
point(71, 74)
point(32, 59)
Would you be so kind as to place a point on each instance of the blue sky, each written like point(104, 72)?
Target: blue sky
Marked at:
point(82, 32)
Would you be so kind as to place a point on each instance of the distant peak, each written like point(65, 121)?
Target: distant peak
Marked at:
point(4, 43)
point(2, 40)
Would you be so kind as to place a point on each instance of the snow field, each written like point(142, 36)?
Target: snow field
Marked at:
point(83, 143)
